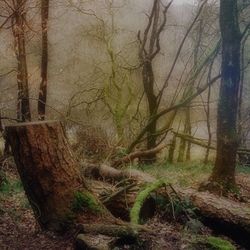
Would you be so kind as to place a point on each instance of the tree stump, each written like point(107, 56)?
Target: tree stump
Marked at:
point(50, 175)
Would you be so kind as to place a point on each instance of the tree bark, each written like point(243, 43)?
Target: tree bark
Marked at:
point(227, 141)
point(44, 64)
point(51, 177)
point(18, 29)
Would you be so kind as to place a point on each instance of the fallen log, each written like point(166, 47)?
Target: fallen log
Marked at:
point(203, 143)
point(209, 206)
point(96, 242)
point(111, 174)
point(218, 208)
point(125, 230)
point(105, 236)
point(136, 155)
point(120, 198)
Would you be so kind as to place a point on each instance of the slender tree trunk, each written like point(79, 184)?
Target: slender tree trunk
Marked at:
point(242, 80)
point(148, 83)
point(189, 131)
point(182, 149)
point(197, 45)
point(227, 141)
point(18, 28)
point(208, 126)
point(44, 64)
point(185, 146)
point(172, 150)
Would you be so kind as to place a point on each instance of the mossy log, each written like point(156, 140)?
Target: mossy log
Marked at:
point(122, 188)
point(123, 230)
point(210, 206)
point(119, 199)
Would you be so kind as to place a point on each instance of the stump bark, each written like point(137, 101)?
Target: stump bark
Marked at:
point(51, 177)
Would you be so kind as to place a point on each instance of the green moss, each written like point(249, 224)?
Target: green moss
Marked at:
point(141, 197)
point(85, 200)
point(10, 186)
point(213, 243)
point(219, 244)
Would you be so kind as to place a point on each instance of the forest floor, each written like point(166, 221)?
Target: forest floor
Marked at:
point(19, 230)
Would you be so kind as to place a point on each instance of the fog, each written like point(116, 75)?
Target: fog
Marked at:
point(81, 36)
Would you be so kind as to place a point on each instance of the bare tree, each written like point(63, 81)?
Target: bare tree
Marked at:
point(149, 77)
point(149, 48)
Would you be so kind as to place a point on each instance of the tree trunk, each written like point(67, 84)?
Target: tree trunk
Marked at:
point(227, 142)
point(207, 111)
point(185, 146)
point(148, 83)
point(18, 29)
point(182, 149)
point(44, 65)
point(50, 176)
point(189, 131)
point(172, 150)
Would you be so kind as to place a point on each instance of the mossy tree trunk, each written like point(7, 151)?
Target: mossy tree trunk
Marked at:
point(227, 142)
point(51, 177)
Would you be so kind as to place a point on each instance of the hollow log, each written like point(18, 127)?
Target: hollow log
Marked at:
point(51, 177)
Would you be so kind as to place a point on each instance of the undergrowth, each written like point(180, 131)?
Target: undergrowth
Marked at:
point(185, 174)
point(9, 185)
